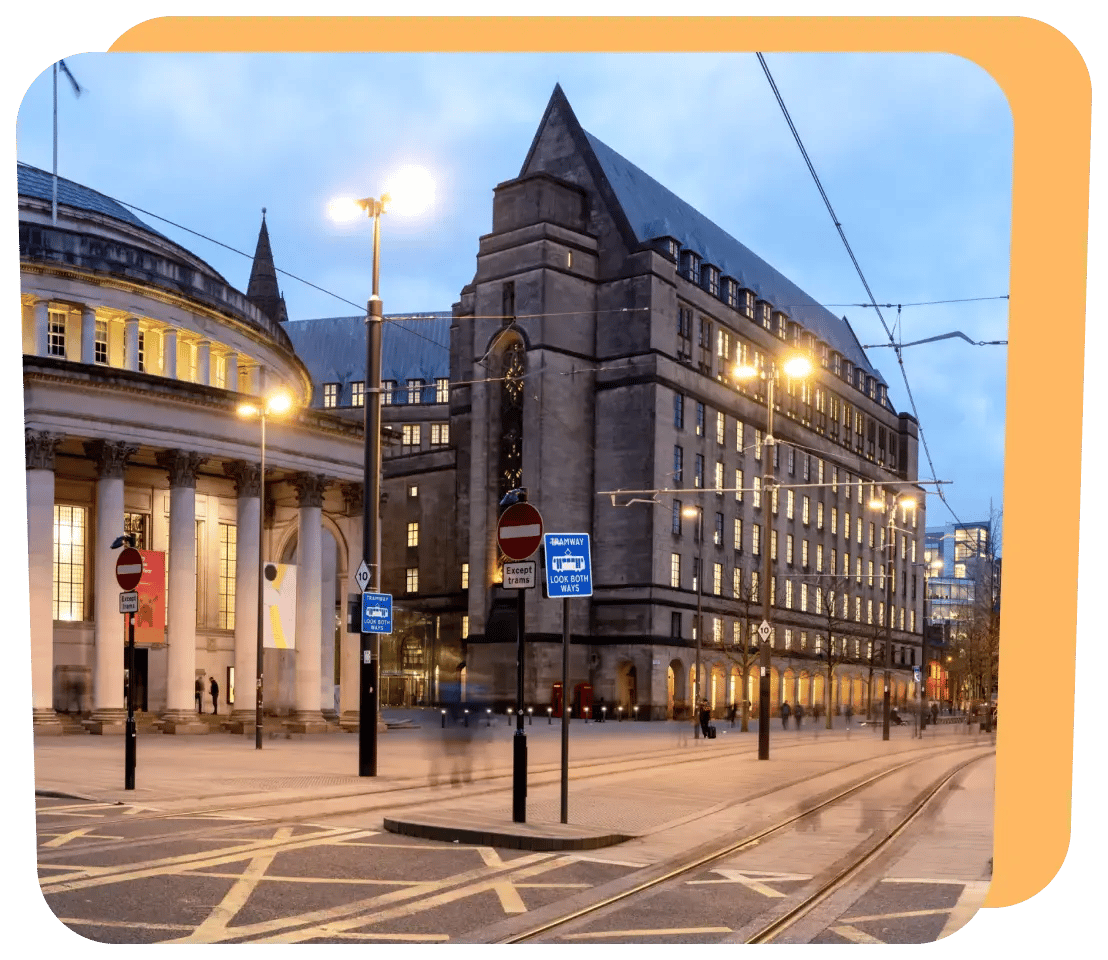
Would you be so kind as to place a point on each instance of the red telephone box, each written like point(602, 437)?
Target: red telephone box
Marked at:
point(582, 701)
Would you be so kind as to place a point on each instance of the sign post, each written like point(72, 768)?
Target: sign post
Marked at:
point(568, 574)
point(518, 534)
point(128, 573)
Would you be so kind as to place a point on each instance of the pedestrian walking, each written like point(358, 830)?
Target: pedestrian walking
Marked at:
point(785, 714)
point(214, 688)
point(934, 712)
point(199, 687)
point(849, 712)
point(705, 717)
point(798, 714)
point(734, 710)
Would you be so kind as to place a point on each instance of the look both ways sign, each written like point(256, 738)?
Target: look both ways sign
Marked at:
point(568, 565)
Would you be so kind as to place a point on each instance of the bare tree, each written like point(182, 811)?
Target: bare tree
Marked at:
point(830, 592)
point(745, 653)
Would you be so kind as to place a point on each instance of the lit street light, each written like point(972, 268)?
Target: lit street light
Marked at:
point(797, 367)
point(698, 512)
point(408, 193)
point(274, 405)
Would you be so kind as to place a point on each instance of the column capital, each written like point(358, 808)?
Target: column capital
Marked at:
point(309, 488)
point(40, 449)
point(182, 466)
point(246, 476)
point(352, 496)
point(110, 457)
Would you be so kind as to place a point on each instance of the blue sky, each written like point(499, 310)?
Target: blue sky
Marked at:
point(913, 151)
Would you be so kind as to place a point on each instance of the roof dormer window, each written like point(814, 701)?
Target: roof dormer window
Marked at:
point(780, 326)
point(709, 279)
point(746, 303)
point(690, 266)
point(668, 246)
point(729, 292)
point(847, 371)
point(765, 315)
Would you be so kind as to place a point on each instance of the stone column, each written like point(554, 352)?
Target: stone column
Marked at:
point(42, 328)
point(130, 343)
point(169, 352)
point(231, 373)
point(108, 710)
point(327, 630)
point(40, 562)
point(349, 666)
point(306, 717)
point(180, 714)
point(88, 335)
point(247, 542)
point(204, 362)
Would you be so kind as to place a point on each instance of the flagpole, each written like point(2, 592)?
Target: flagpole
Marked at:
point(54, 202)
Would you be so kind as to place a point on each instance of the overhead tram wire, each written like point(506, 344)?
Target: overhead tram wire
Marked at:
point(861, 275)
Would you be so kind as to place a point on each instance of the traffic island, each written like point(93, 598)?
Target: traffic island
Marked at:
point(490, 832)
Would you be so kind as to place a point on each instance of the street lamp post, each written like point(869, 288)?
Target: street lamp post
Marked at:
point(412, 190)
point(275, 404)
point(688, 512)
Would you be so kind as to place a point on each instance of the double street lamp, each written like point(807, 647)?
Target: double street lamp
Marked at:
point(408, 193)
point(275, 404)
point(796, 367)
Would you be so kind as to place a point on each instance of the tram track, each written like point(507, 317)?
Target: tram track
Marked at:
point(651, 879)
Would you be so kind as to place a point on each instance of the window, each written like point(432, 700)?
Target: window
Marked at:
point(465, 576)
point(792, 462)
point(678, 464)
point(138, 525)
point(330, 395)
point(55, 345)
point(773, 499)
point(413, 534)
point(465, 626)
point(756, 540)
point(835, 520)
point(790, 503)
point(388, 391)
point(807, 468)
point(100, 345)
point(858, 527)
point(442, 389)
point(789, 549)
point(819, 606)
point(440, 434)
point(788, 594)
point(869, 611)
point(806, 515)
point(142, 354)
point(719, 477)
point(415, 391)
point(846, 564)
point(757, 443)
point(675, 625)
point(773, 544)
point(819, 515)
point(870, 574)
point(739, 436)
point(804, 598)
point(677, 516)
point(698, 474)
point(357, 393)
point(413, 490)
point(804, 553)
point(69, 562)
point(679, 411)
point(717, 579)
point(819, 558)
point(675, 570)
point(738, 534)
point(411, 580)
point(756, 493)
point(699, 419)
point(721, 428)
point(858, 609)
point(696, 574)
point(872, 534)
point(227, 538)
point(739, 485)
point(719, 530)
point(410, 437)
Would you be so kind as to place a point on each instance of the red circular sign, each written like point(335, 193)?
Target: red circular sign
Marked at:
point(128, 569)
point(519, 532)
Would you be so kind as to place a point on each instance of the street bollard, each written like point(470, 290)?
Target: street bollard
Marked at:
point(465, 717)
point(444, 719)
point(549, 714)
point(530, 718)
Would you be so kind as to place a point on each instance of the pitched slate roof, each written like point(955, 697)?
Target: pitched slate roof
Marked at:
point(413, 347)
point(652, 211)
point(37, 183)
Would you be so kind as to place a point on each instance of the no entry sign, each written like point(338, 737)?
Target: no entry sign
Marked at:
point(128, 569)
point(519, 532)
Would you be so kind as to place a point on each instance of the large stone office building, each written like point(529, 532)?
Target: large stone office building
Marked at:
point(594, 352)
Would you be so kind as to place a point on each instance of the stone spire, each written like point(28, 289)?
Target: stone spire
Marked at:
point(263, 291)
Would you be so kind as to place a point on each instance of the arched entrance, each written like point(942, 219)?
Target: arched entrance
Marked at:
point(675, 682)
point(627, 687)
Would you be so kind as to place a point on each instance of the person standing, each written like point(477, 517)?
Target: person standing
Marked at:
point(705, 718)
point(849, 711)
point(785, 714)
point(199, 687)
point(734, 710)
point(214, 689)
point(798, 714)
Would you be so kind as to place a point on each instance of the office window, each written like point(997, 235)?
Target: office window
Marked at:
point(228, 533)
point(804, 553)
point(100, 345)
point(756, 540)
point(678, 464)
point(679, 411)
point(699, 419)
point(819, 558)
point(872, 534)
point(805, 515)
point(819, 470)
point(721, 428)
point(788, 594)
point(819, 603)
point(717, 579)
point(465, 576)
point(413, 490)
point(413, 534)
point(739, 485)
point(738, 534)
point(411, 580)
point(410, 437)
point(756, 493)
point(739, 436)
point(55, 344)
point(330, 395)
point(835, 520)
point(790, 501)
point(870, 573)
point(719, 477)
point(719, 530)
point(69, 562)
point(698, 474)
point(869, 611)
point(754, 584)
point(773, 499)
point(465, 626)
point(773, 544)
point(677, 516)
point(807, 468)
point(858, 527)
point(858, 609)
point(792, 461)
point(857, 569)
point(415, 391)
point(440, 434)
point(442, 389)
point(675, 625)
point(789, 549)
point(804, 598)
point(675, 570)
point(357, 393)
point(846, 564)
point(388, 391)
point(819, 515)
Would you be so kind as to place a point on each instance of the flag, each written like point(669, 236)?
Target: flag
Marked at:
point(65, 70)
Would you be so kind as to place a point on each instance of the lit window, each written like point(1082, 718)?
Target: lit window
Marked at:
point(388, 391)
point(719, 530)
point(719, 477)
point(756, 493)
point(465, 626)
point(804, 553)
point(465, 576)
point(100, 346)
point(227, 539)
point(142, 351)
point(717, 579)
point(440, 434)
point(69, 562)
point(357, 393)
point(756, 540)
point(788, 594)
point(413, 490)
point(699, 419)
point(410, 436)
point(819, 558)
point(738, 534)
point(788, 548)
point(835, 520)
point(721, 427)
point(804, 598)
point(413, 534)
point(330, 395)
point(442, 390)
point(55, 346)
point(411, 580)
point(819, 515)
point(737, 584)
point(739, 436)
point(790, 500)
point(806, 515)
point(675, 570)
point(415, 391)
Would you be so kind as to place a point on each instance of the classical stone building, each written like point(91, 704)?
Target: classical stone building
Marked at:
point(136, 356)
point(592, 363)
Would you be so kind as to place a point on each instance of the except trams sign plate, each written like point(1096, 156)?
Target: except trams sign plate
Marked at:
point(568, 565)
point(520, 575)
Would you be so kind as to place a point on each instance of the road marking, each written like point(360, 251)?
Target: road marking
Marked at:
point(63, 838)
point(752, 880)
point(897, 916)
point(661, 932)
point(235, 899)
point(405, 937)
point(510, 900)
point(125, 924)
point(971, 899)
point(854, 935)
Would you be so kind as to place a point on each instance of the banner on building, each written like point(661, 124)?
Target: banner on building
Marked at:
point(150, 619)
point(279, 606)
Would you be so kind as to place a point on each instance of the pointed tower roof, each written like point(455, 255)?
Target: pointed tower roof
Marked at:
point(263, 291)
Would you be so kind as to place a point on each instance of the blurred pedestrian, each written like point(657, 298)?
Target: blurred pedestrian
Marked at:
point(199, 687)
point(785, 714)
point(732, 712)
point(849, 712)
point(705, 717)
point(214, 690)
point(798, 714)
